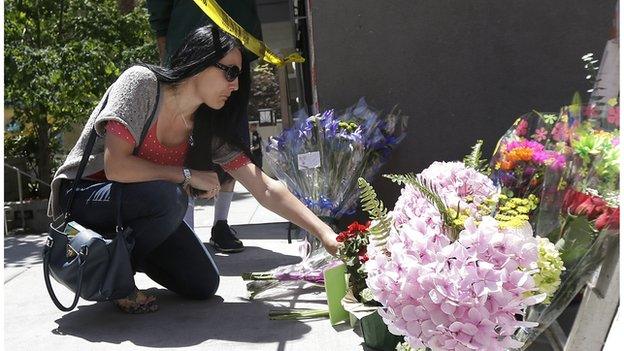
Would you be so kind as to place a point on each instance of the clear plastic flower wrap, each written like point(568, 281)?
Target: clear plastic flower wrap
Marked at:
point(283, 279)
point(321, 158)
point(588, 217)
point(528, 163)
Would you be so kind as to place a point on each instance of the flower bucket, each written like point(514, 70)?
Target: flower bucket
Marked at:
point(376, 334)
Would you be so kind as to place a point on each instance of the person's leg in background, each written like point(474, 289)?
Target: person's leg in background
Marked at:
point(223, 237)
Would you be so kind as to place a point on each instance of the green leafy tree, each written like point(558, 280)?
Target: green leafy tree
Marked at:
point(264, 89)
point(60, 56)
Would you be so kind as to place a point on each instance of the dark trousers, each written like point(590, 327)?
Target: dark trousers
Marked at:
point(257, 159)
point(166, 249)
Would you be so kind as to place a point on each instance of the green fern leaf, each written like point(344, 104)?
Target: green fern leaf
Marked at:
point(379, 232)
point(474, 160)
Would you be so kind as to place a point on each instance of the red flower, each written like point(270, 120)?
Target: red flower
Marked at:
point(362, 255)
point(590, 111)
point(592, 207)
point(356, 227)
point(352, 231)
point(609, 219)
point(578, 203)
point(342, 237)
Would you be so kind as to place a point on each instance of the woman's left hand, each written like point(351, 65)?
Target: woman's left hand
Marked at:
point(209, 194)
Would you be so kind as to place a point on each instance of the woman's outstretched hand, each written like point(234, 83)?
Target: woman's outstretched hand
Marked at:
point(330, 244)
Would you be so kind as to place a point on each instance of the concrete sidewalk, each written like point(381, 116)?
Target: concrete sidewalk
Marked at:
point(229, 321)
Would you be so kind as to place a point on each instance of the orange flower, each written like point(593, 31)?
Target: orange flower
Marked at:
point(520, 154)
point(506, 165)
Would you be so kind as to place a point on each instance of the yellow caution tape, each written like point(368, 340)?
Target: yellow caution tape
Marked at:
point(226, 23)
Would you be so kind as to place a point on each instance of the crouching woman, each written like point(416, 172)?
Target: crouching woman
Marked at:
point(194, 103)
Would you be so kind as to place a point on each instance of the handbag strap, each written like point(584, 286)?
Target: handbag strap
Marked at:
point(83, 163)
point(89, 148)
point(46, 276)
point(115, 196)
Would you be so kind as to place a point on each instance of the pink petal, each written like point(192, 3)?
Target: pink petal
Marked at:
point(435, 296)
point(474, 315)
point(455, 327)
point(413, 328)
point(448, 308)
point(535, 299)
point(409, 313)
point(469, 329)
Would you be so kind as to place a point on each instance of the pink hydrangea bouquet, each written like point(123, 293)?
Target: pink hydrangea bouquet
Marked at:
point(448, 275)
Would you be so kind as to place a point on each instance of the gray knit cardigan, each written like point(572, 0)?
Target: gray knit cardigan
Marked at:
point(130, 102)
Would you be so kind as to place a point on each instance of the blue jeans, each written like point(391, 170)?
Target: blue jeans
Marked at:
point(166, 249)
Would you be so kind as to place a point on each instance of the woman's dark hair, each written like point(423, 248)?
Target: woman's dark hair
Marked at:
point(201, 49)
point(198, 51)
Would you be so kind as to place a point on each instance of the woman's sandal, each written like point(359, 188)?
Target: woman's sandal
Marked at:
point(137, 303)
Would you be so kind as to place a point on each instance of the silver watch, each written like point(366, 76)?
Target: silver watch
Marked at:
point(187, 177)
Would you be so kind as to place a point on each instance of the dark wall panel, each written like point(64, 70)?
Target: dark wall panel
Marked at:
point(461, 69)
point(273, 10)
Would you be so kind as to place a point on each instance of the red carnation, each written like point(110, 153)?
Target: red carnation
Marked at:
point(609, 219)
point(578, 203)
point(356, 227)
point(343, 236)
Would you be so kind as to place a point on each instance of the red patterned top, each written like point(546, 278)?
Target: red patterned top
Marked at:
point(236, 163)
point(152, 150)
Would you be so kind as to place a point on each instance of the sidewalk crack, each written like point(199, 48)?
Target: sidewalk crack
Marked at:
point(6, 280)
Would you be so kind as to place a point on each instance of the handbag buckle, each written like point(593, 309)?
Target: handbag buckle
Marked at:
point(49, 241)
point(84, 251)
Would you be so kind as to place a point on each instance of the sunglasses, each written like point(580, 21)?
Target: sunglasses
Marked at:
point(231, 72)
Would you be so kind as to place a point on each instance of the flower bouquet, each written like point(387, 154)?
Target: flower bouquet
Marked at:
point(448, 275)
point(589, 214)
point(353, 253)
point(321, 158)
point(358, 301)
point(528, 165)
point(309, 270)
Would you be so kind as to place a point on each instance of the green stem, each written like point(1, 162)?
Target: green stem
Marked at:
point(258, 276)
point(564, 227)
point(297, 313)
